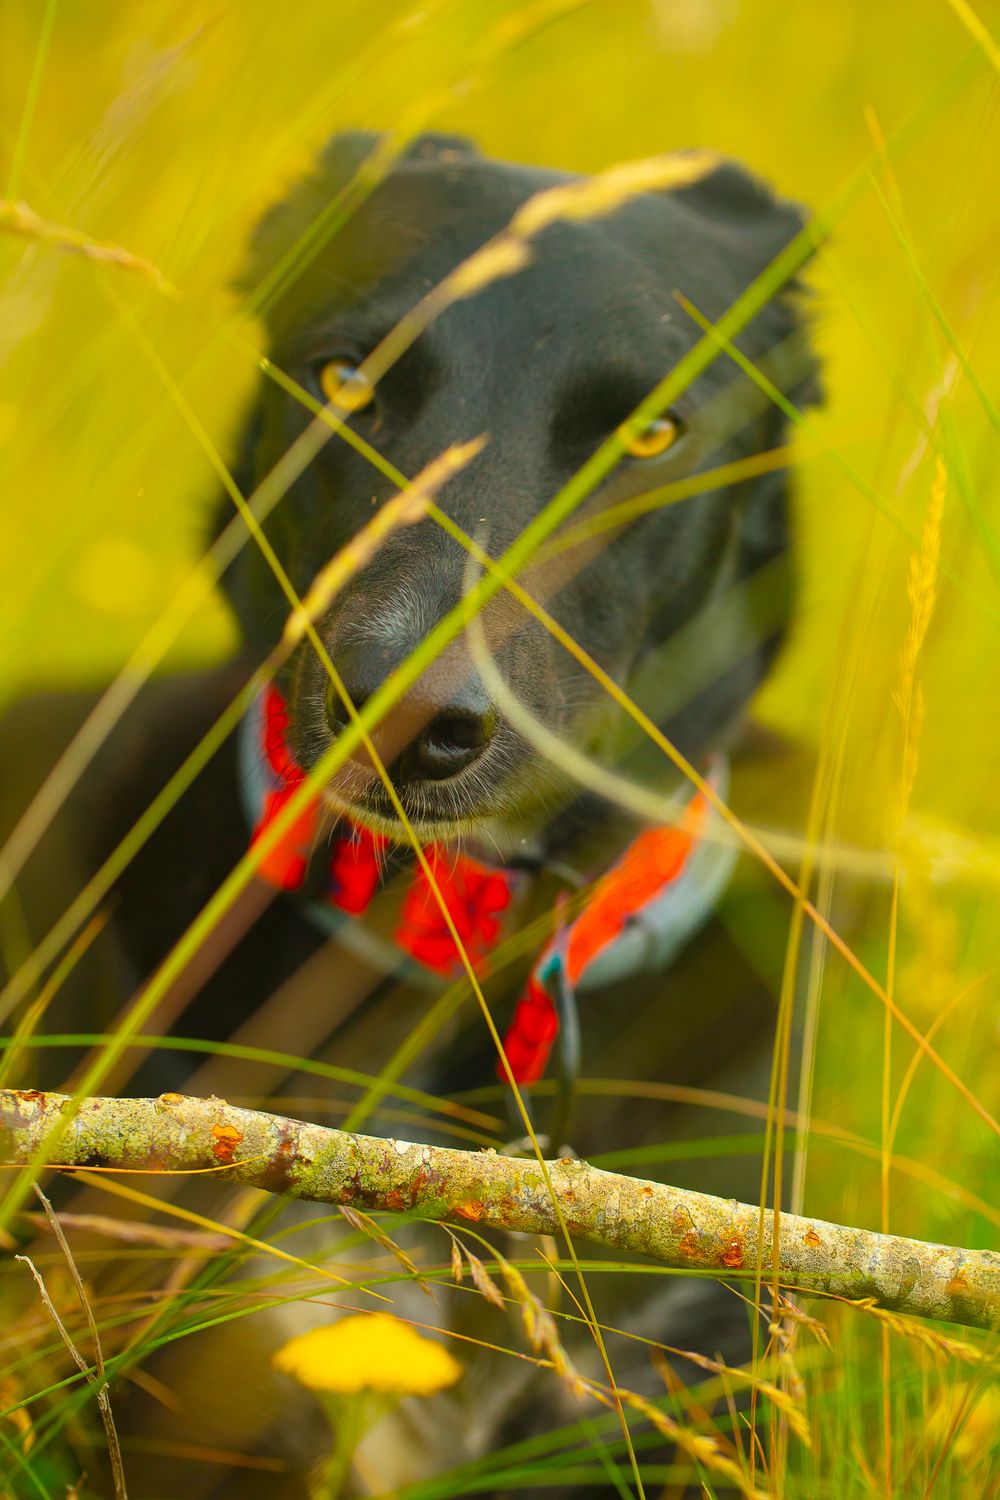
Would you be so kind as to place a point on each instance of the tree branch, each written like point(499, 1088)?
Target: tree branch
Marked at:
point(679, 1228)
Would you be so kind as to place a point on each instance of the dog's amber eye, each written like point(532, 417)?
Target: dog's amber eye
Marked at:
point(345, 386)
point(658, 436)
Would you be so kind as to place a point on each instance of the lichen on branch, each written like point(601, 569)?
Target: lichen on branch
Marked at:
point(677, 1227)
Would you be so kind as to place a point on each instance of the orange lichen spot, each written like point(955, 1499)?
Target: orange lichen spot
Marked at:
point(681, 1220)
point(958, 1286)
point(473, 1210)
point(647, 1191)
point(690, 1245)
point(811, 1238)
point(30, 1096)
point(732, 1255)
point(227, 1138)
point(171, 1099)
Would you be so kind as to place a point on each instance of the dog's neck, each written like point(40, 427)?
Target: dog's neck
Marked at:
point(635, 916)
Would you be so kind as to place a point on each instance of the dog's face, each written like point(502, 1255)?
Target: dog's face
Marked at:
point(545, 363)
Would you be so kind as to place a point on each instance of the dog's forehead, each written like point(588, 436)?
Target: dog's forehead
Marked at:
point(424, 221)
point(427, 217)
point(470, 199)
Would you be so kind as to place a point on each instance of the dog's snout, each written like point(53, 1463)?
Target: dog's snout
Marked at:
point(444, 724)
point(362, 668)
point(452, 740)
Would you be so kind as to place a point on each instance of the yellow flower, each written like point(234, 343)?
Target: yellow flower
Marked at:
point(368, 1352)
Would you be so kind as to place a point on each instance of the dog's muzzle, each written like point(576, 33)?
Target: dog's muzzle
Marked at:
point(438, 730)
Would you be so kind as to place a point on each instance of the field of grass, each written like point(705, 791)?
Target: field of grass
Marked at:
point(143, 142)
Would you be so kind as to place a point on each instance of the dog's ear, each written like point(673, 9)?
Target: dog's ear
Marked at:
point(346, 153)
point(342, 159)
point(750, 225)
point(289, 219)
point(735, 204)
point(437, 146)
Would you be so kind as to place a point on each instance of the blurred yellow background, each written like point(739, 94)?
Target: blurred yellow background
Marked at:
point(166, 128)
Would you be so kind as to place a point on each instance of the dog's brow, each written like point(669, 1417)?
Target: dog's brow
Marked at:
point(345, 329)
point(338, 328)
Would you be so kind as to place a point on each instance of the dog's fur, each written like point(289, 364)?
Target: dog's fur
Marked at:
point(546, 363)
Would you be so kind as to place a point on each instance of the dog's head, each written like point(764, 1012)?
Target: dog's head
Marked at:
point(546, 363)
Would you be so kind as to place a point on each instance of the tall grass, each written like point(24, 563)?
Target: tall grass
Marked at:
point(137, 147)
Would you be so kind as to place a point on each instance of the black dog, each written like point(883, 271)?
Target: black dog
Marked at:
point(546, 363)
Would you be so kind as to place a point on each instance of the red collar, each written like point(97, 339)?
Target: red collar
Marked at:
point(639, 912)
point(475, 895)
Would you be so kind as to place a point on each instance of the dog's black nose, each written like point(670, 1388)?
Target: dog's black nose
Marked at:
point(432, 734)
point(452, 740)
